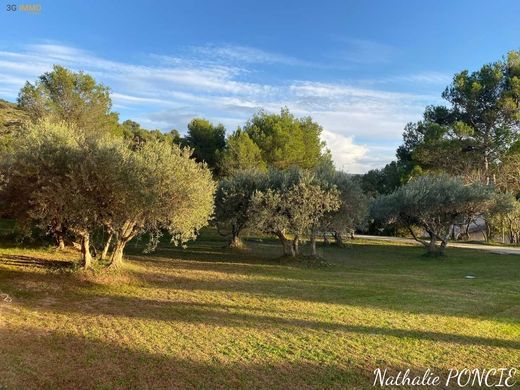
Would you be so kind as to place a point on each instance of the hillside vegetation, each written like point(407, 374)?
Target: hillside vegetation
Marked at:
point(11, 120)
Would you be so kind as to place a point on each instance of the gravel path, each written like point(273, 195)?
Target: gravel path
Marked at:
point(481, 247)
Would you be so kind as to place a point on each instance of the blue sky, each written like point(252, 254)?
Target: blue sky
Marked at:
point(362, 69)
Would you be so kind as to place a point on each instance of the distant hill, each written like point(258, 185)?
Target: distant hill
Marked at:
point(11, 119)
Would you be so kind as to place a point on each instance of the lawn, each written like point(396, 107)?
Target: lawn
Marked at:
point(208, 317)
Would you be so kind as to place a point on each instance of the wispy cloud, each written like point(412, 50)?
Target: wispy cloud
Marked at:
point(167, 91)
point(414, 79)
point(245, 54)
point(363, 51)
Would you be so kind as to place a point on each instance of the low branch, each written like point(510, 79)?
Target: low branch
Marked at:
point(425, 243)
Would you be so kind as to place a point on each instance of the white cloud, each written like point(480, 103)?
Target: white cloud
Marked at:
point(346, 153)
point(166, 92)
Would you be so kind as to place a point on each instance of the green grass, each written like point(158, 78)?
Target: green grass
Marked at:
point(208, 317)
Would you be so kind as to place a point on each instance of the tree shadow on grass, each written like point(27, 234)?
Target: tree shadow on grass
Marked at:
point(34, 261)
point(372, 285)
point(214, 314)
point(286, 283)
point(32, 359)
point(371, 288)
point(209, 254)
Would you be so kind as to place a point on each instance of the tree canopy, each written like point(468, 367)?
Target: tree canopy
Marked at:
point(207, 141)
point(241, 153)
point(383, 181)
point(285, 140)
point(12, 121)
point(62, 95)
point(293, 203)
point(56, 176)
point(46, 181)
point(133, 132)
point(434, 204)
point(472, 134)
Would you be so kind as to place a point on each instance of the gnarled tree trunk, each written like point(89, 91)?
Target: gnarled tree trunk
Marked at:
point(59, 235)
point(123, 236)
point(313, 244)
point(442, 247)
point(432, 247)
point(325, 239)
point(288, 248)
point(104, 253)
point(60, 241)
point(86, 257)
point(296, 245)
point(235, 241)
point(116, 259)
point(338, 238)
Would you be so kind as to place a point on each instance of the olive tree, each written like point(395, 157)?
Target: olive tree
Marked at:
point(434, 204)
point(55, 176)
point(233, 202)
point(46, 181)
point(353, 210)
point(293, 203)
point(157, 187)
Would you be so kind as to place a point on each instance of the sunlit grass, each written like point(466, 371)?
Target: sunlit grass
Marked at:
point(208, 317)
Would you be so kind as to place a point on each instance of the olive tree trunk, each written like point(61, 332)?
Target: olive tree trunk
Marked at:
point(287, 245)
point(442, 247)
point(123, 236)
point(104, 253)
point(60, 241)
point(339, 239)
point(313, 244)
point(432, 248)
point(116, 258)
point(296, 245)
point(235, 241)
point(59, 235)
point(86, 257)
point(325, 239)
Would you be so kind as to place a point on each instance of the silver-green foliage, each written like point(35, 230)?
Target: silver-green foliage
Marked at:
point(353, 211)
point(293, 203)
point(233, 201)
point(434, 204)
point(56, 176)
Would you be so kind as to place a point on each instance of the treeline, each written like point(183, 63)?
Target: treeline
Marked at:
point(266, 140)
point(474, 137)
point(70, 168)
